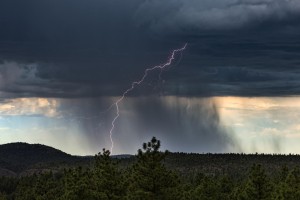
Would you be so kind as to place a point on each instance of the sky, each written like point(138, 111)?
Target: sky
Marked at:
point(235, 88)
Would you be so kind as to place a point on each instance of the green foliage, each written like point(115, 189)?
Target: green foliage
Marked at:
point(48, 187)
point(8, 185)
point(78, 184)
point(2, 196)
point(258, 185)
point(210, 188)
point(206, 190)
point(43, 187)
point(150, 179)
point(108, 178)
point(226, 187)
point(25, 189)
point(156, 175)
point(290, 187)
point(104, 181)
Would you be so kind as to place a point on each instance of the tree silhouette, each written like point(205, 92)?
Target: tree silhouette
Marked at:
point(108, 178)
point(290, 187)
point(258, 186)
point(2, 196)
point(150, 179)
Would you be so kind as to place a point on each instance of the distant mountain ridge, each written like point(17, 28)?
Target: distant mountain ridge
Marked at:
point(17, 157)
point(21, 159)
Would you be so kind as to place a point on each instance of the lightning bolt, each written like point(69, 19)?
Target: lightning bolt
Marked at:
point(136, 83)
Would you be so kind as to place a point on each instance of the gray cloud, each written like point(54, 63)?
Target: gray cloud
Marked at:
point(96, 49)
point(82, 52)
point(180, 16)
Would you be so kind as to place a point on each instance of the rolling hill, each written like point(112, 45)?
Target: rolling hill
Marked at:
point(22, 158)
point(19, 159)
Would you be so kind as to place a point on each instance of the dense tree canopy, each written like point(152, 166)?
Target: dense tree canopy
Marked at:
point(151, 177)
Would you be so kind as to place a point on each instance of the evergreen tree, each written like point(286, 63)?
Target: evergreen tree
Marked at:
point(8, 185)
point(48, 187)
point(283, 174)
point(280, 187)
point(197, 180)
point(25, 188)
point(207, 190)
point(2, 196)
point(290, 188)
point(258, 186)
point(226, 187)
point(78, 185)
point(149, 177)
point(108, 178)
point(211, 187)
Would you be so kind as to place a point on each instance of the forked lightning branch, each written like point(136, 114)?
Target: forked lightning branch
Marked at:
point(138, 82)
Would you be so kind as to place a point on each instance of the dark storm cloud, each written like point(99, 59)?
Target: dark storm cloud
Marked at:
point(165, 16)
point(74, 49)
point(96, 48)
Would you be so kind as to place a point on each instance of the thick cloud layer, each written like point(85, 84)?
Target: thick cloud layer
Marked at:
point(79, 52)
point(181, 16)
point(96, 48)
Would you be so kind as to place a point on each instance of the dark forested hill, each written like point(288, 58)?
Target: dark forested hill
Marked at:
point(20, 157)
point(23, 159)
point(235, 165)
point(40, 172)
